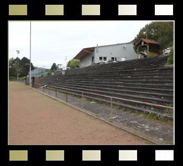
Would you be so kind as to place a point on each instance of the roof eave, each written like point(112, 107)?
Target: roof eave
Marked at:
point(83, 53)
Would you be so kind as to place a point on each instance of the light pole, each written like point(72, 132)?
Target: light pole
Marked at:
point(66, 63)
point(30, 59)
point(18, 51)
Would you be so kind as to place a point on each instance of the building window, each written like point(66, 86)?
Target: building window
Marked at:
point(102, 58)
point(105, 58)
point(114, 58)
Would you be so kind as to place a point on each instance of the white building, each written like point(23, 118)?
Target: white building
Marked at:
point(114, 52)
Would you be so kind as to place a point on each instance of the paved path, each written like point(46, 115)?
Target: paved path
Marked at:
point(35, 119)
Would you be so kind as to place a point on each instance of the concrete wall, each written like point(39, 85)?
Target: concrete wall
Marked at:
point(86, 61)
point(27, 81)
point(118, 50)
point(35, 82)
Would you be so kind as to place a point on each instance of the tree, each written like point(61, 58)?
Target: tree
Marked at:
point(73, 63)
point(53, 67)
point(12, 72)
point(11, 61)
point(24, 66)
point(19, 66)
point(16, 65)
point(162, 32)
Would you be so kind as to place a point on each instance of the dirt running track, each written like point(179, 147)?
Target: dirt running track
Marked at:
point(35, 119)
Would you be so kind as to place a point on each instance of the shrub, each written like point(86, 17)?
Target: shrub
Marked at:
point(12, 78)
point(170, 59)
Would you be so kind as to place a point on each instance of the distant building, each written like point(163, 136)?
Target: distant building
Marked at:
point(106, 53)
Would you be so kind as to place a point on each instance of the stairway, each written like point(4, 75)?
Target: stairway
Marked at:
point(143, 80)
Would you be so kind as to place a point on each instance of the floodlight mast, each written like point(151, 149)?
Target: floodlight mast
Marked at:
point(66, 63)
point(30, 59)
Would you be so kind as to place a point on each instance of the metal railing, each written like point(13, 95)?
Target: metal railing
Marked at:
point(67, 90)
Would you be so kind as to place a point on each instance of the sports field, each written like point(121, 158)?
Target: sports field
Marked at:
point(35, 119)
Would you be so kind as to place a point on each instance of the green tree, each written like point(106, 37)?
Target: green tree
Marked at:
point(19, 66)
point(16, 65)
point(53, 67)
point(170, 59)
point(11, 61)
point(24, 66)
point(73, 63)
point(12, 72)
point(162, 32)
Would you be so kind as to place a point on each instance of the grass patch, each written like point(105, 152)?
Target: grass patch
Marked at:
point(171, 142)
point(171, 105)
point(123, 109)
point(12, 78)
point(152, 116)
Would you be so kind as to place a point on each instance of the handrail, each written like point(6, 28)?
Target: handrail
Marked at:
point(112, 97)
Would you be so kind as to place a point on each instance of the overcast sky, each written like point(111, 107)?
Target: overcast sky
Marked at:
point(53, 41)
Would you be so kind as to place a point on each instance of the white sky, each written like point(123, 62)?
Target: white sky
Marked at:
point(53, 41)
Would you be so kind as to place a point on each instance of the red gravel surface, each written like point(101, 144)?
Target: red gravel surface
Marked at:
point(35, 119)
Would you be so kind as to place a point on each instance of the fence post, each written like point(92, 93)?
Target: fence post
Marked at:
point(111, 107)
point(43, 88)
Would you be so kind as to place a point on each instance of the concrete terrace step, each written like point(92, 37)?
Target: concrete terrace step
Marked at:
point(160, 71)
point(119, 90)
point(111, 86)
point(154, 62)
point(124, 80)
point(168, 115)
point(105, 83)
point(144, 89)
point(121, 76)
point(127, 96)
point(113, 74)
point(143, 83)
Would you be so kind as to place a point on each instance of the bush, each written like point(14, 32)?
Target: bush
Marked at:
point(170, 59)
point(12, 78)
point(74, 63)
